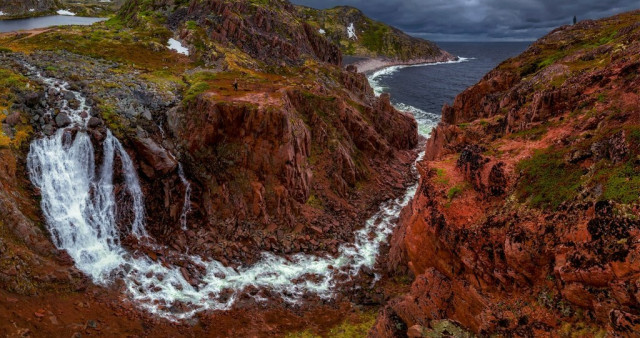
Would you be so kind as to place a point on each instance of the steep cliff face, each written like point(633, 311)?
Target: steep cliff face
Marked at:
point(526, 218)
point(295, 159)
point(288, 169)
point(358, 35)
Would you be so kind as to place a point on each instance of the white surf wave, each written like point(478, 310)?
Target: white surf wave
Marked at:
point(375, 77)
point(426, 121)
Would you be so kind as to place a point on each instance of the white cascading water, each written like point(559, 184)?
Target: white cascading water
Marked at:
point(80, 206)
point(186, 207)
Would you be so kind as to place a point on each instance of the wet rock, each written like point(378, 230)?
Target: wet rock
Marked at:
point(74, 104)
point(62, 120)
point(48, 129)
point(68, 96)
point(156, 156)
point(94, 122)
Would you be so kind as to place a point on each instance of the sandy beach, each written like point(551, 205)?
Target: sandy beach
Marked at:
point(371, 65)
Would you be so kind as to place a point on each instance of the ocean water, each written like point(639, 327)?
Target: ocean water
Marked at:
point(423, 90)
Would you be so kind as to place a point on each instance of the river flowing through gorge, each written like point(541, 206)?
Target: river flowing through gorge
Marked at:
point(88, 218)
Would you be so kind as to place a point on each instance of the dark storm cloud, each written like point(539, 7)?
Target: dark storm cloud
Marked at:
point(478, 19)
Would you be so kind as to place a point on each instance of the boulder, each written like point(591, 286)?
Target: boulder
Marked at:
point(156, 156)
point(62, 120)
point(94, 122)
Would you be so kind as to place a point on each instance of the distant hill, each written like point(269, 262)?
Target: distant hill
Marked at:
point(12, 9)
point(359, 35)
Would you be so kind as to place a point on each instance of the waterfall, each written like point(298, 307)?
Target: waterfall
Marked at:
point(186, 207)
point(81, 207)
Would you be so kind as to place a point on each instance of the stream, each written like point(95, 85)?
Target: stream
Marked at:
point(83, 209)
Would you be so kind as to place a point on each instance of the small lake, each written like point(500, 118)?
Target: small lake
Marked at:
point(45, 21)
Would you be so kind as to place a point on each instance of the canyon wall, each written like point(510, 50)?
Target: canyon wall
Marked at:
point(526, 218)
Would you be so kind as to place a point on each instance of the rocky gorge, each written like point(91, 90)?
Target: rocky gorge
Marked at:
point(525, 222)
point(253, 181)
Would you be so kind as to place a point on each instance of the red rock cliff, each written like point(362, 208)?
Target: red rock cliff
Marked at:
point(526, 218)
point(290, 169)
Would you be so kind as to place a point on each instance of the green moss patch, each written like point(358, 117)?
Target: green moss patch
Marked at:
point(621, 183)
point(547, 181)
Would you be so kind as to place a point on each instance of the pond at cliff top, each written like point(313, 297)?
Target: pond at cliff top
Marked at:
point(83, 209)
point(45, 21)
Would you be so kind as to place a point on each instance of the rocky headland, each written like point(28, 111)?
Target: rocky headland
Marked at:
point(373, 44)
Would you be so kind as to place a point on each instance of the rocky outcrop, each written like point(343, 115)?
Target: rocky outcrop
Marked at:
point(526, 218)
point(296, 174)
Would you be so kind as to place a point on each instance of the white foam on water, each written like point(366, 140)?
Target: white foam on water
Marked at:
point(84, 216)
point(374, 78)
point(176, 45)
point(426, 121)
point(65, 12)
point(186, 206)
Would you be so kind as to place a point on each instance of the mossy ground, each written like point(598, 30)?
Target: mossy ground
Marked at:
point(10, 82)
point(547, 180)
point(349, 328)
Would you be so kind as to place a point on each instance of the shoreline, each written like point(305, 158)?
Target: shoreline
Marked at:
point(30, 32)
point(374, 64)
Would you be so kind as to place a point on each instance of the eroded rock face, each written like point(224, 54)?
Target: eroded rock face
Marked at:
point(297, 175)
point(520, 224)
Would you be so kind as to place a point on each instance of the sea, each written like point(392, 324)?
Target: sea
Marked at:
point(422, 90)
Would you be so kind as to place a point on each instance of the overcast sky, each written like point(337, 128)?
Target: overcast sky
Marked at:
point(478, 20)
